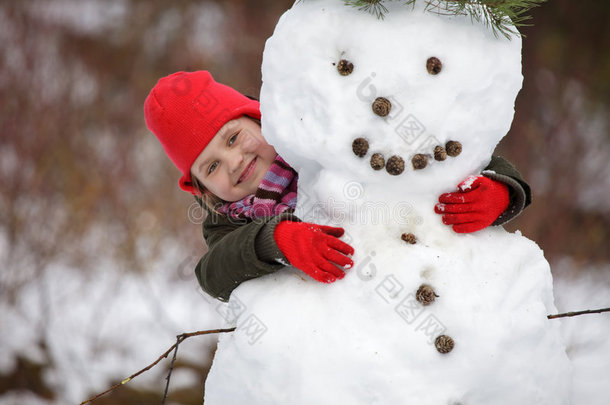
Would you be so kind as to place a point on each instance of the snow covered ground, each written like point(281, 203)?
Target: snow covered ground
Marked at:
point(586, 335)
point(103, 327)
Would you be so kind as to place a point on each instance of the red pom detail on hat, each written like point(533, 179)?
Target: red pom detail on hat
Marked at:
point(185, 110)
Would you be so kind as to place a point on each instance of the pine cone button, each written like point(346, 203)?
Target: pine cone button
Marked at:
point(454, 148)
point(444, 344)
point(345, 67)
point(425, 294)
point(377, 161)
point(409, 238)
point(434, 65)
point(440, 153)
point(360, 146)
point(419, 161)
point(395, 165)
point(382, 106)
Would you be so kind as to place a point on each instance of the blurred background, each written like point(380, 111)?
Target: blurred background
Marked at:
point(97, 243)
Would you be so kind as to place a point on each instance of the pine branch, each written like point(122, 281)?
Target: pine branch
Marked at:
point(372, 6)
point(502, 16)
point(179, 339)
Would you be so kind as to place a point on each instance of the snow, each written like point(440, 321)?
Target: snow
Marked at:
point(104, 325)
point(366, 339)
point(467, 184)
point(588, 346)
point(587, 340)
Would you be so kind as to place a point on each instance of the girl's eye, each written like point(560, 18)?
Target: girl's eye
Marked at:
point(233, 139)
point(212, 167)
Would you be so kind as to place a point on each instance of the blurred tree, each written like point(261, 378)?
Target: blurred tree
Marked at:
point(81, 178)
point(560, 137)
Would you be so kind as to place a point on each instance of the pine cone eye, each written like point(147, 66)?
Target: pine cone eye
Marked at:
point(345, 67)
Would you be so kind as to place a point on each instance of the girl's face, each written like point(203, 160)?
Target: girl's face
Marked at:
point(235, 161)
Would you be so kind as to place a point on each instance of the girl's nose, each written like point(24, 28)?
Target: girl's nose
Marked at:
point(236, 159)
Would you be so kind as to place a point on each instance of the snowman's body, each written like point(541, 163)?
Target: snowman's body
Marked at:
point(367, 339)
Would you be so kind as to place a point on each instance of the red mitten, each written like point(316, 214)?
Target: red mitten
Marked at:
point(477, 204)
point(314, 248)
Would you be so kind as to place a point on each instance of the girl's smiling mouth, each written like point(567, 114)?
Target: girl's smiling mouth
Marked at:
point(247, 171)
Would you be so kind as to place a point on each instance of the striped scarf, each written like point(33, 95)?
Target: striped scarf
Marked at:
point(276, 193)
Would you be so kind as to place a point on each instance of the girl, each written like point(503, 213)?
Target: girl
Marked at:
point(212, 134)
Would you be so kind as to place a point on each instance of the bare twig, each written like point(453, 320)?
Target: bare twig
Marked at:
point(588, 311)
point(179, 339)
point(171, 368)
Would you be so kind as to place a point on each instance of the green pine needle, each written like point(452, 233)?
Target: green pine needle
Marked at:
point(372, 6)
point(502, 16)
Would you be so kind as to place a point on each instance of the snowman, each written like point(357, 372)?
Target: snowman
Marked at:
point(379, 116)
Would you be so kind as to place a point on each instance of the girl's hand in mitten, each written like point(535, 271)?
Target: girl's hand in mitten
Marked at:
point(477, 204)
point(314, 249)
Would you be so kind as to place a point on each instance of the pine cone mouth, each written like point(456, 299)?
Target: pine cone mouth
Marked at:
point(395, 164)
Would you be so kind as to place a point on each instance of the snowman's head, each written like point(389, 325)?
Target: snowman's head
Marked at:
point(410, 99)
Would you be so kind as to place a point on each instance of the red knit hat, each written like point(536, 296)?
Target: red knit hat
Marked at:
point(186, 109)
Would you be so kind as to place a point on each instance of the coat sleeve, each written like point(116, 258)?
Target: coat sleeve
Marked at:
point(238, 250)
point(520, 193)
